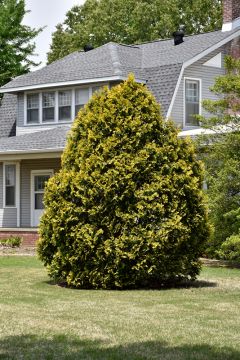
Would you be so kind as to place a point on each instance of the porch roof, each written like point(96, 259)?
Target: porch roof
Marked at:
point(38, 142)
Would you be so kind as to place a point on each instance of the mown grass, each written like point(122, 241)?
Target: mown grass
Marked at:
point(39, 320)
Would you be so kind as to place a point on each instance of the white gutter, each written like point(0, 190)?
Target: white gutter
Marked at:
point(32, 151)
point(66, 83)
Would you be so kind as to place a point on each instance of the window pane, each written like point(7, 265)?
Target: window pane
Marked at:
point(65, 98)
point(32, 108)
point(48, 99)
point(81, 96)
point(33, 101)
point(32, 116)
point(40, 181)
point(39, 202)
point(10, 171)
point(65, 113)
point(10, 196)
point(77, 108)
point(48, 114)
point(10, 182)
point(191, 110)
point(192, 101)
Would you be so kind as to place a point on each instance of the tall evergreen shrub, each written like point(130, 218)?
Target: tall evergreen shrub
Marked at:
point(126, 208)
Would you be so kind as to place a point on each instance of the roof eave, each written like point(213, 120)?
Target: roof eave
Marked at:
point(30, 154)
point(13, 90)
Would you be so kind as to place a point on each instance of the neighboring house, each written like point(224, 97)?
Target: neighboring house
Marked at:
point(38, 108)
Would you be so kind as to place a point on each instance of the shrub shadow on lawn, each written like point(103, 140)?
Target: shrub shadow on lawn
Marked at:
point(59, 347)
point(180, 285)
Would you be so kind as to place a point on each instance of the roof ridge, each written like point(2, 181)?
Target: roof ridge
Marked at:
point(168, 39)
point(115, 59)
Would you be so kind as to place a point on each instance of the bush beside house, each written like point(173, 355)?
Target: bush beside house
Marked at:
point(126, 209)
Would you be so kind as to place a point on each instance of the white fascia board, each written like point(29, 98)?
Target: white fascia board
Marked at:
point(195, 132)
point(31, 154)
point(66, 83)
point(196, 58)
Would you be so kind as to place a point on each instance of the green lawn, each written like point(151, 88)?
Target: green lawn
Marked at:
point(39, 320)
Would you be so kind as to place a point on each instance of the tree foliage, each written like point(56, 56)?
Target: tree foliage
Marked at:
point(223, 154)
point(126, 208)
point(15, 40)
point(131, 21)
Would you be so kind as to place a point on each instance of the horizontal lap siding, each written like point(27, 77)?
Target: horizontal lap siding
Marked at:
point(25, 178)
point(197, 70)
point(20, 113)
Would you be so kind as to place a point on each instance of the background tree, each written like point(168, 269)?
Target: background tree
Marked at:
point(127, 208)
point(131, 21)
point(223, 155)
point(15, 40)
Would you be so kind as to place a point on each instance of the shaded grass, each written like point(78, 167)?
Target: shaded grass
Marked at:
point(43, 321)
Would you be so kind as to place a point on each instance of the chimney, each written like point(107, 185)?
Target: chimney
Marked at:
point(231, 14)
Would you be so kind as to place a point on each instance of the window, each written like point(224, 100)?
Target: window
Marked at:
point(39, 185)
point(48, 106)
point(81, 98)
point(10, 185)
point(33, 108)
point(192, 101)
point(65, 105)
point(56, 106)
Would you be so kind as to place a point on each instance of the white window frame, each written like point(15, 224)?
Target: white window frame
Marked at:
point(41, 109)
point(184, 100)
point(33, 173)
point(17, 189)
point(16, 184)
point(56, 109)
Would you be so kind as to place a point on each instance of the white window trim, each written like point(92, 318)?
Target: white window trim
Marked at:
point(17, 189)
point(56, 109)
point(33, 173)
point(184, 100)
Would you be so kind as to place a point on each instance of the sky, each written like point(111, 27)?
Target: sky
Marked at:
point(46, 13)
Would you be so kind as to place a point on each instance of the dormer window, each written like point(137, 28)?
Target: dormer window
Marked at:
point(48, 106)
point(81, 98)
point(58, 106)
point(65, 103)
point(32, 108)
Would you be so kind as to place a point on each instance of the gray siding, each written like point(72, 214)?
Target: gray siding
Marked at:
point(20, 110)
point(8, 216)
point(197, 70)
point(25, 184)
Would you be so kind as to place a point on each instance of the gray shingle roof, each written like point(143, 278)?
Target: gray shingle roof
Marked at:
point(163, 52)
point(117, 59)
point(105, 61)
point(8, 115)
point(47, 140)
point(157, 62)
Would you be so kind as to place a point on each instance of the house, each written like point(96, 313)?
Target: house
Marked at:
point(38, 108)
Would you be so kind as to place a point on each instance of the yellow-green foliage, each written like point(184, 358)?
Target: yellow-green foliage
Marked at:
point(126, 209)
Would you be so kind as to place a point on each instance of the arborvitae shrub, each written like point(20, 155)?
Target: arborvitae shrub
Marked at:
point(126, 209)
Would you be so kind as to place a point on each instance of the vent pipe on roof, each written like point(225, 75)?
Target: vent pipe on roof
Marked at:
point(88, 47)
point(178, 35)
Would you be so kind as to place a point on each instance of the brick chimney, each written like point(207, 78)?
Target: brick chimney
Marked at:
point(231, 14)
